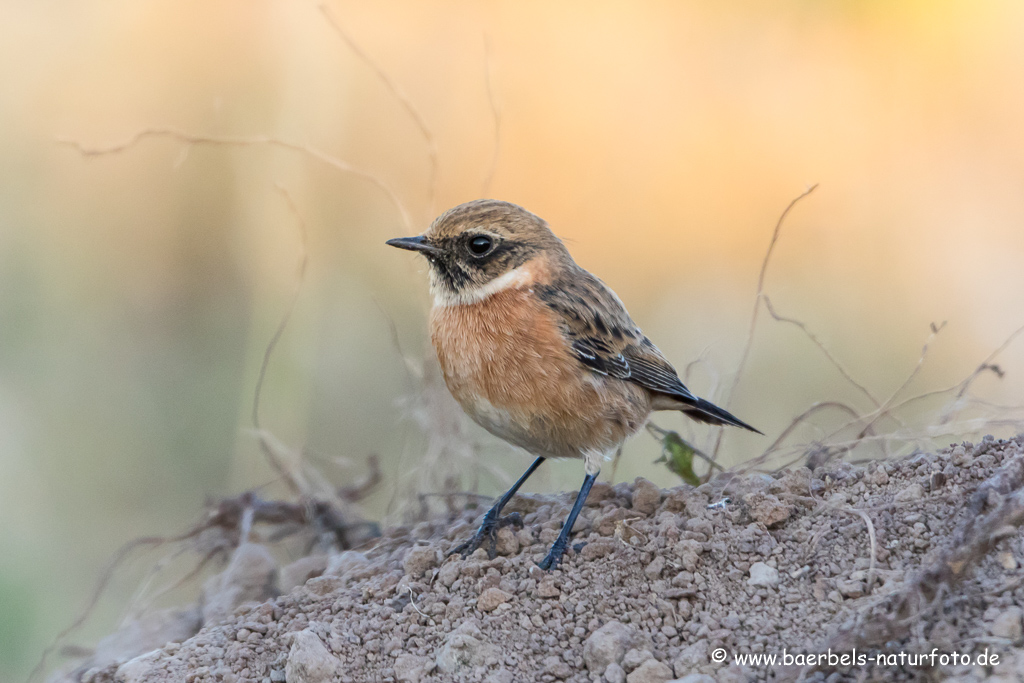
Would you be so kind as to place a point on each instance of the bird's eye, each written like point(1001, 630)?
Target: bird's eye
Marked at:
point(480, 245)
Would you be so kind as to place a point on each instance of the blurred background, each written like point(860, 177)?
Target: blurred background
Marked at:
point(662, 140)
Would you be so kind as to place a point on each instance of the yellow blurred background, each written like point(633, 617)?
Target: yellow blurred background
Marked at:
point(661, 139)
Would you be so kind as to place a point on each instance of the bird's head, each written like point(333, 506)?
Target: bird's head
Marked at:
point(481, 247)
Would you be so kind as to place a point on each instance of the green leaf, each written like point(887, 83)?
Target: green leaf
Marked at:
point(677, 455)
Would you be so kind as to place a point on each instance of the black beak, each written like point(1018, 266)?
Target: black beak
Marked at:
point(418, 243)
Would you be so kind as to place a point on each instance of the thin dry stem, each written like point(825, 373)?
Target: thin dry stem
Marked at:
point(824, 349)
point(883, 409)
point(985, 366)
point(399, 95)
point(702, 360)
point(951, 430)
point(361, 489)
point(871, 418)
point(252, 141)
point(277, 454)
point(757, 306)
point(796, 422)
point(495, 113)
point(105, 577)
point(874, 542)
point(136, 606)
point(287, 474)
point(193, 573)
point(412, 601)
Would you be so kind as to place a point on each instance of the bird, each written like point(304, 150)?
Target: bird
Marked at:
point(538, 351)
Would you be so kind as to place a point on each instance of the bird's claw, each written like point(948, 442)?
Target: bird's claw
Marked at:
point(552, 559)
point(554, 556)
point(488, 532)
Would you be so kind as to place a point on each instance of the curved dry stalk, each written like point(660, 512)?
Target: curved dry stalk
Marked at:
point(796, 422)
point(757, 305)
point(285, 473)
point(194, 572)
point(360, 489)
point(495, 113)
point(701, 360)
point(980, 402)
point(714, 377)
point(955, 387)
point(760, 286)
point(952, 429)
point(135, 604)
point(252, 141)
point(870, 418)
point(824, 349)
point(399, 95)
point(985, 365)
point(884, 408)
point(874, 542)
point(101, 586)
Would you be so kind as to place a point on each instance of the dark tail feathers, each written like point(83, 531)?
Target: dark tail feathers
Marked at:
point(706, 411)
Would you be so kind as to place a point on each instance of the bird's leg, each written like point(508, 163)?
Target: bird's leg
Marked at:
point(491, 522)
point(558, 548)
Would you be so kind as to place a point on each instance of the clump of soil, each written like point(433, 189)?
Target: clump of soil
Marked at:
point(889, 557)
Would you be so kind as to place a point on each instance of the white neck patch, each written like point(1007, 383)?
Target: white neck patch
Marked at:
point(513, 279)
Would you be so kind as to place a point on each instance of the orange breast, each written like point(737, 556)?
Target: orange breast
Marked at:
point(506, 362)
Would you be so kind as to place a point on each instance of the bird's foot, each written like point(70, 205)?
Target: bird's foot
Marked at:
point(554, 556)
point(488, 532)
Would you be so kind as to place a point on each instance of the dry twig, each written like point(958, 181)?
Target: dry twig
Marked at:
point(399, 95)
point(289, 475)
point(757, 307)
point(496, 114)
point(251, 141)
point(821, 346)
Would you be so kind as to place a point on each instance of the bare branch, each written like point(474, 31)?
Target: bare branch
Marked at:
point(496, 113)
point(760, 287)
point(402, 98)
point(253, 141)
point(821, 346)
point(359, 490)
point(797, 421)
point(888, 406)
point(286, 473)
point(757, 306)
point(985, 365)
point(101, 587)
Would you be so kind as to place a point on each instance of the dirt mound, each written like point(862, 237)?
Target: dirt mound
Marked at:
point(888, 558)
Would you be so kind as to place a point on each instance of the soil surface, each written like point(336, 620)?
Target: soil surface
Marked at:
point(905, 556)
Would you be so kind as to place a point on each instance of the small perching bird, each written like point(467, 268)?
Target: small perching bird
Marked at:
point(537, 350)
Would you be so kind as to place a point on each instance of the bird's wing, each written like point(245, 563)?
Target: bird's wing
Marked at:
point(605, 339)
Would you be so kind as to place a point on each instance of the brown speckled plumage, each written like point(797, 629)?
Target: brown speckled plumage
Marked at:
point(537, 350)
point(506, 362)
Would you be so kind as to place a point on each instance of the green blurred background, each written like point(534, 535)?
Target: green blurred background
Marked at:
point(661, 140)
